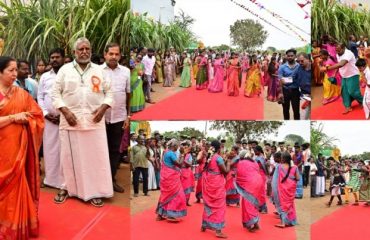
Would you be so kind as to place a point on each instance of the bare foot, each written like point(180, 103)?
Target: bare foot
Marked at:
point(221, 235)
point(280, 225)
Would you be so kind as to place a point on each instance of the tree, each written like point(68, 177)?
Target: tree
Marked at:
point(248, 129)
point(319, 139)
point(248, 34)
point(183, 20)
point(271, 49)
point(190, 132)
point(293, 138)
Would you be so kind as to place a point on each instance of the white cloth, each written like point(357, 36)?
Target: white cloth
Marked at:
point(152, 182)
point(51, 148)
point(44, 100)
point(120, 86)
point(350, 69)
point(320, 185)
point(366, 101)
point(272, 163)
point(51, 141)
point(73, 88)
point(85, 164)
point(148, 64)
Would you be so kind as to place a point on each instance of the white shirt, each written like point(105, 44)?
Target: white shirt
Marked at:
point(120, 85)
point(74, 89)
point(148, 64)
point(313, 169)
point(272, 162)
point(44, 100)
point(350, 69)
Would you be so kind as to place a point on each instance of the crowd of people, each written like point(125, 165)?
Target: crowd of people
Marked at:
point(247, 174)
point(78, 109)
point(286, 76)
point(345, 176)
point(343, 69)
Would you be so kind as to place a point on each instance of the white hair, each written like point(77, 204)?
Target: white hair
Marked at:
point(79, 41)
point(173, 143)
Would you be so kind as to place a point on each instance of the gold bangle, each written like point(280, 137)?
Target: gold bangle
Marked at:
point(11, 118)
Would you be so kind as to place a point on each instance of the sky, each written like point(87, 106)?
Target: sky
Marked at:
point(301, 128)
point(353, 136)
point(214, 17)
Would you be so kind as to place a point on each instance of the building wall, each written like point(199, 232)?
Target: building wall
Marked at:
point(158, 9)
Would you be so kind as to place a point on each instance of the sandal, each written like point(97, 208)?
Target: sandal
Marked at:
point(280, 225)
point(97, 202)
point(160, 218)
point(221, 235)
point(61, 197)
point(174, 220)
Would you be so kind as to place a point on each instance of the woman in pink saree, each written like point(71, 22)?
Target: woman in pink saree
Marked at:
point(248, 182)
point(214, 193)
point(201, 159)
point(232, 195)
point(233, 76)
point(217, 84)
point(187, 176)
point(172, 201)
point(273, 83)
point(284, 183)
point(263, 173)
point(332, 79)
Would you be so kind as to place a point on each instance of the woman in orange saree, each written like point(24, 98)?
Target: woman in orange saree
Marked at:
point(233, 70)
point(21, 127)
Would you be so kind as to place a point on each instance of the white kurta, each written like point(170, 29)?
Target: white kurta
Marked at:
point(84, 148)
point(152, 182)
point(51, 143)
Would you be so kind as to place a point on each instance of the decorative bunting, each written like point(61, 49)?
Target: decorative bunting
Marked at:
point(280, 18)
point(302, 5)
point(269, 23)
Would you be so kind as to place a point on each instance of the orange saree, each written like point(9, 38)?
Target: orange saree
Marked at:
point(19, 168)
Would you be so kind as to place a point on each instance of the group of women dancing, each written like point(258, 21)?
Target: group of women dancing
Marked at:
point(223, 179)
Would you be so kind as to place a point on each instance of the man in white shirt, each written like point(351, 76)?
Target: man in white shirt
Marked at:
point(116, 117)
point(364, 68)
point(149, 62)
point(350, 76)
point(51, 142)
point(82, 94)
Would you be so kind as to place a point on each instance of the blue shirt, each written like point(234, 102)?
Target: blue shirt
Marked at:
point(286, 71)
point(170, 158)
point(303, 78)
point(353, 47)
point(30, 86)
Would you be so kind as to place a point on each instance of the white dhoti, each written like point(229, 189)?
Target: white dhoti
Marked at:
point(366, 103)
point(51, 148)
point(152, 182)
point(85, 164)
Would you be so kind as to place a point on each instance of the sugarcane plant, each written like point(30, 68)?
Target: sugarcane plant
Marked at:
point(146, 32)
point(340, 21)
point(30, 29)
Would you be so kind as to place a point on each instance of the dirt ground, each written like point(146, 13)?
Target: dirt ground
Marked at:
point(143, 203)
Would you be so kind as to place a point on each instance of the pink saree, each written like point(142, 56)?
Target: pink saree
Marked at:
point(198, 176)
point(187, 178)
point(217, 84)
point(172, 202)
point(214, 196)
point(284, 194)
point(232, 195)
point(262, 194)
point(248, 182)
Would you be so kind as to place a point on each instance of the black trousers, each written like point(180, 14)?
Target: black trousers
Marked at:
point(313, 185)
point(114, 135)
point(306, 175)
point(136, 175)
point(291, 96)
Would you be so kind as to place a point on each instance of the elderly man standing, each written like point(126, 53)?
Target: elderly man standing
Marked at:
point(116, 118)
point(53, 174)
point(82, 94)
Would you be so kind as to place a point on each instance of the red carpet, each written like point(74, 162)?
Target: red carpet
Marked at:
point(192, 104)
point(349, 222)
point(189, 227)
point(333, 111)
point(77, 220)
